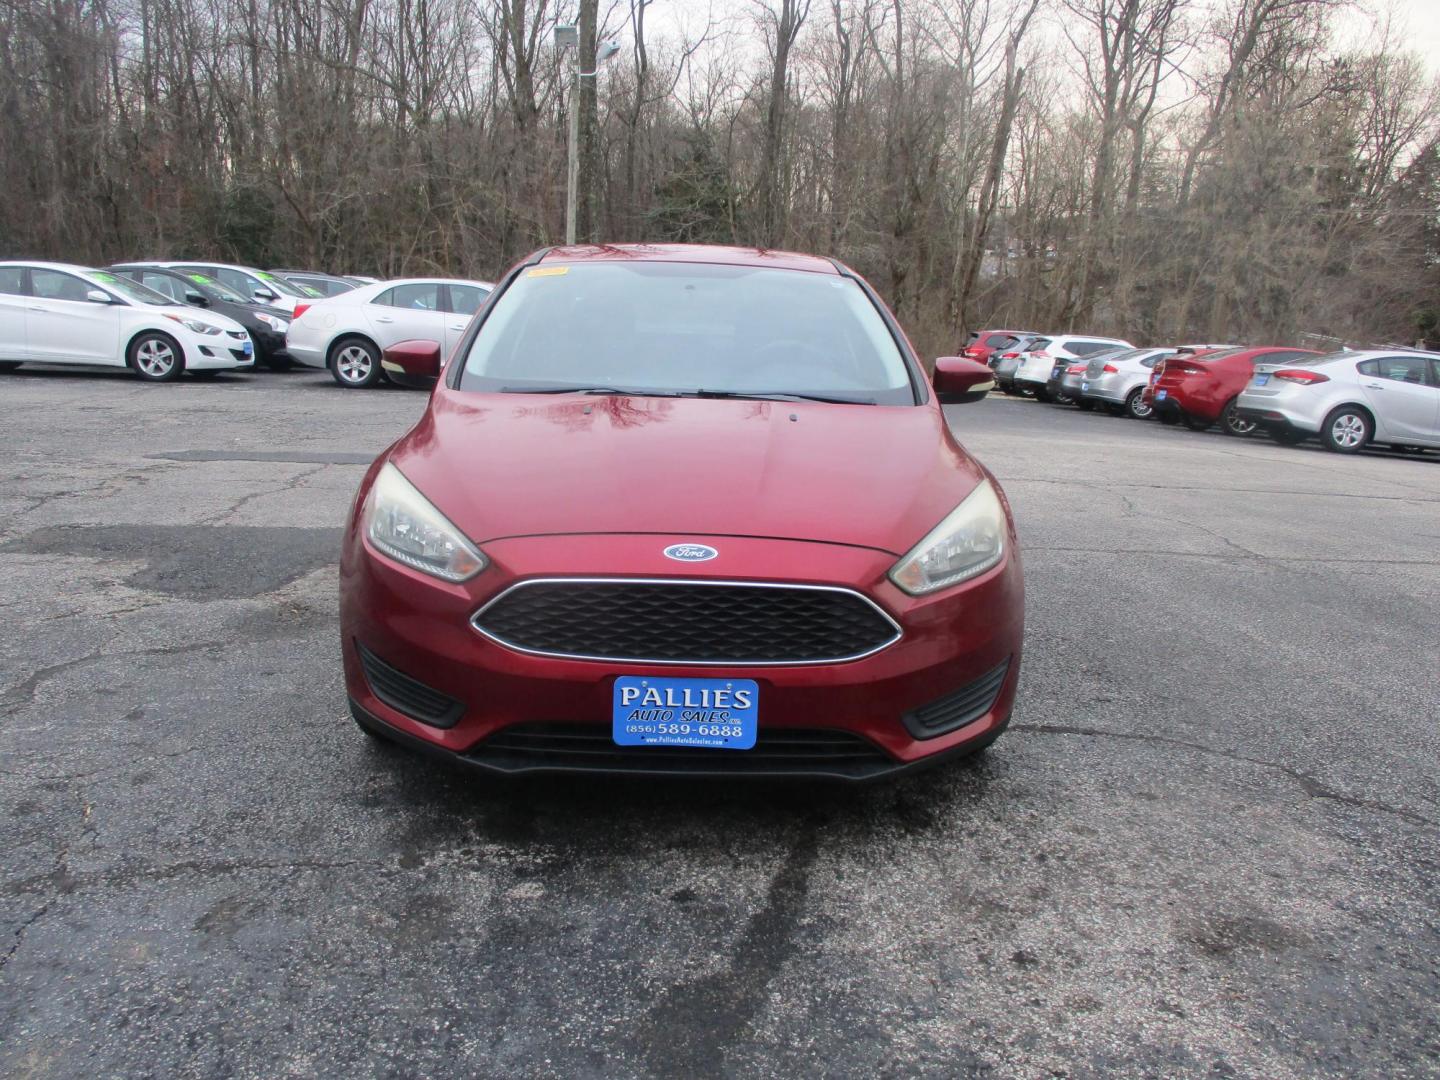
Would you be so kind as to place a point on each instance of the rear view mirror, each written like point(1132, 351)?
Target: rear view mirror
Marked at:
point(97, 296)
point(418, 359)
point(958, 380)
point(195, 298)
point(265, 295)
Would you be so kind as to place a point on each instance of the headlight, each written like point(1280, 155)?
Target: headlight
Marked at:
point(969, 541)
point(195, 325)
point(276, 324)
point(402, 523)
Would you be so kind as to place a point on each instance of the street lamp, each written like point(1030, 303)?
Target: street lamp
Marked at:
point(568, 37)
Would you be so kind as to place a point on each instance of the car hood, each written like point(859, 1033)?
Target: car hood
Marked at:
point(200, 315)
point(503, 465)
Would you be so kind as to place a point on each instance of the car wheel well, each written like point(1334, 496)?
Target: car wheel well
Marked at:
point(342, 339)
point(130, 346)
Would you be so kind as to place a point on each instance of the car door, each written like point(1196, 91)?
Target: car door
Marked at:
point(406, 312)
point(462, 301)
point(1400, 393)
point(65, 327)
point(13, 305)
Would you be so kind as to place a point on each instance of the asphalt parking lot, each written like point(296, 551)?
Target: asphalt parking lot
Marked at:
point(1207, 847)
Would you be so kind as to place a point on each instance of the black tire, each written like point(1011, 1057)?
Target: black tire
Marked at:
point(155, 357)
point(1347, 430)
point(1288, 436)
point(7, 366)
point(355, 363)
point(1083, 405)
point(205, 376)
point(279, 363)
point(1168, 418)
point(1135, 406)
point(1233, 424)
point(1041, 394)
point(1195, 423)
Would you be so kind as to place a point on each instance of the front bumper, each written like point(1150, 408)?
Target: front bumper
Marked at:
point(221, 353)
point(514, 708)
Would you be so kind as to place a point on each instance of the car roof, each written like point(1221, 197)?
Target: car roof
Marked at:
point(1088, 337)
point(38, 264)
point(715, 254)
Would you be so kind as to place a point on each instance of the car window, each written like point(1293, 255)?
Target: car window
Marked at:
point(420, 297)
point(1406, 369)
point(221, 292)
point(1001, 341)
point(466, 299)
point(681, 328)
point(1037, 345)
point(163, 283)
point(241, 283)
point(1089, 348)
point(54, 285)
point(280, 285)
point(12, 280)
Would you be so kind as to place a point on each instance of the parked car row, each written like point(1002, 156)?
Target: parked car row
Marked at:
point(1347, 400)
point(163, 318)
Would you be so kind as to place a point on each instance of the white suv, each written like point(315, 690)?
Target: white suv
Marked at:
point(1040, 358)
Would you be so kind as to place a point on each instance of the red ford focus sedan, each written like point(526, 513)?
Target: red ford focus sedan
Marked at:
point(684, 510)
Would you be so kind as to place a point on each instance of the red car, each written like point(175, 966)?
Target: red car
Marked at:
point(1200, 388)
point(687, 510)
point(984, 343)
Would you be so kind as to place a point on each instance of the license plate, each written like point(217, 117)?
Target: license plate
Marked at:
point(249, 347)
point(715, 714)
point(1084, 386)
point(1161, 395)
point(1261, 380)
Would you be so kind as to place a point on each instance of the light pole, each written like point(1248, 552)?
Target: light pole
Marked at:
point(568, 37)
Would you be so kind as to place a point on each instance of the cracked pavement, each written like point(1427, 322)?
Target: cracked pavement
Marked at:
point(1207, 846)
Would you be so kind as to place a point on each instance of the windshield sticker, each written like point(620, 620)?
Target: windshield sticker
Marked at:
point(311, 292)
point(548, 271)
point(201, 278)
point(100, 275)
point(264, 276)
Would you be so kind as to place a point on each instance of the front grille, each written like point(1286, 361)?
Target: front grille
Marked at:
point(408, 695)
point(955, 710)
point(240, 355)
point(686, 622)
point(533, 747)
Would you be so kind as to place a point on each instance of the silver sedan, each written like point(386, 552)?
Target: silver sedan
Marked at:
point(1118, 379)
point(1348, 399)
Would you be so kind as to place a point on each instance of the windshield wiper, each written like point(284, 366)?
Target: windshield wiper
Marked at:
point(586, 390)
point(760, 395)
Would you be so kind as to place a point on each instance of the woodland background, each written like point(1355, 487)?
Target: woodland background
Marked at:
point(1167, 170)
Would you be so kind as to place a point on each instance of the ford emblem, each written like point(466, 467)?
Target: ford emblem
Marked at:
point(690, 552)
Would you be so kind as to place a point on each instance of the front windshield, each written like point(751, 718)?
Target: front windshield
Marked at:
point(131, 290)
point(280, 285)
point(221, 292)
point(688, 328)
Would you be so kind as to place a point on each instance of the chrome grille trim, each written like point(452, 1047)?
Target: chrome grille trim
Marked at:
point(697, 582)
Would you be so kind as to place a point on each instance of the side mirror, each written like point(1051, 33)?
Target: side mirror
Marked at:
point(265, 295)
point(196, 299)
point(959, 380)
point(97, 296)
point(418, 359)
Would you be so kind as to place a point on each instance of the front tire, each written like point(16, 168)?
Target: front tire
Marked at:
point(355, 363)
point(1346, 430)
point(1231, 423)
point(1135, 406)
point(156, 357)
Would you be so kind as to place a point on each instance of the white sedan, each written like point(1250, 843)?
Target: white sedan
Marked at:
point(348, 333)
point(55, 313)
